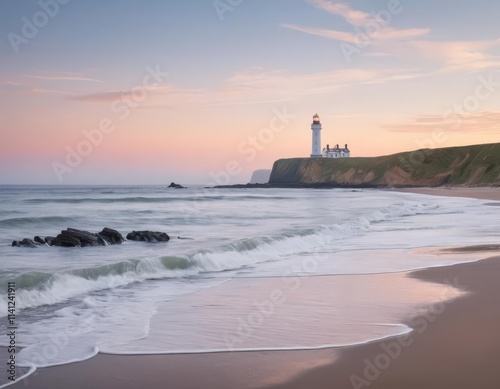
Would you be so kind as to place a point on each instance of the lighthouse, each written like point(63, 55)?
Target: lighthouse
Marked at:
point(316, 137)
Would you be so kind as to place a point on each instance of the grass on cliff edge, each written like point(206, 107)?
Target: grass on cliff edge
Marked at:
point(461, 162)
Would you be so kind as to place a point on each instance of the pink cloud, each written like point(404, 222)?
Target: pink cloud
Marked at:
point(25, 89)
point(485, 122)
point(459, 55)
point(384, 34)
point(64, 77)
point(325, 33)
point(159, 94)
point(359, 19)
point(254, 86)
point(354, 17)
point(452, 56)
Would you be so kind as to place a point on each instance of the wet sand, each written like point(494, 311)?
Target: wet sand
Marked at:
point(457, 347)
point(484, 193)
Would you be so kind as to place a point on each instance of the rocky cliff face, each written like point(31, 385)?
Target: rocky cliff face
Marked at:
point(469, 165)
point(260, 176)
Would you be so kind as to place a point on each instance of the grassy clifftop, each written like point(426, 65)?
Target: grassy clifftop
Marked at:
point(477, 165)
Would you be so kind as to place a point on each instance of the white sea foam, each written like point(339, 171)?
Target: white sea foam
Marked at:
point(176, 297)
point(60, 287)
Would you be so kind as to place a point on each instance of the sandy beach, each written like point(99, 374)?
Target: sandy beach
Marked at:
point(457, 348)
point(484, 193)
point(453, 344)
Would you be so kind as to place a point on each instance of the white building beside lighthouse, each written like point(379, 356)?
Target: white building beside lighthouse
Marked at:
point(336, 152)
point(327, 152)
point(316, 137)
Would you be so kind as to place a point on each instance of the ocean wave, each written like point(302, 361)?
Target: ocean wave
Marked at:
point(23, 221)
point(253, 251)
point(105, 200)
point(36, 289)
point(191, 198)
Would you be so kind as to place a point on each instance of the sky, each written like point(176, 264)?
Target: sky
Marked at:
point(207, 91)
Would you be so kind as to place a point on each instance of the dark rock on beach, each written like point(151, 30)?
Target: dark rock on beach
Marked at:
point(148, 236)
point(176, 186)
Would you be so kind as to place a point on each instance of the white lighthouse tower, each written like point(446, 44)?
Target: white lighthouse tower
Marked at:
point(316, 137)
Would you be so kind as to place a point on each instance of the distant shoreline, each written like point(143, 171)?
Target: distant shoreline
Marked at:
point(408, 188)
point(484, 193)
point(480, 192)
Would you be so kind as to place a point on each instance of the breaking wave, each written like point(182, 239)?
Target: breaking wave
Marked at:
point(39, 288)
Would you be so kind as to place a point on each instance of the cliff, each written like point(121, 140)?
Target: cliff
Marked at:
point(477, 165)
point(260, 176)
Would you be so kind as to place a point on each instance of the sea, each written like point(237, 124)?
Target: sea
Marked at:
point(245, 269)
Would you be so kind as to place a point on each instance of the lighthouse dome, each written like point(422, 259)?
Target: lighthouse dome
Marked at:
point(316, 119)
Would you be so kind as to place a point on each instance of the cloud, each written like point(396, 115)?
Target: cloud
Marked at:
point(39, 91)
point(325, 33)
point(485, 122)
point(459, 55)
point(352, 16)
point(384, 41)
point(383, 34)
point(368, 24)
point(257, 84)
point(64, 77)
point(164, 92)
point(285, 82)
point(31, 84)
point(101, 97)
point(13, 83)
point(254, 86)
point(20, 88)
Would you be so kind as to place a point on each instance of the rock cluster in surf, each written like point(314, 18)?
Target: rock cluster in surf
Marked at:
point(71, 237)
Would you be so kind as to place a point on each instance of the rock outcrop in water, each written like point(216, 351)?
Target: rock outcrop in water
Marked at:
point(148, 236)
point(111, 236)
point(71, 237)
point(175, 186)
point(25, 243)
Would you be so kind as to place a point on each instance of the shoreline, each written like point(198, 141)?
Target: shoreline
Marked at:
point(451, 346)
point(482, 193)
point(434, 359)
point(441, 333)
